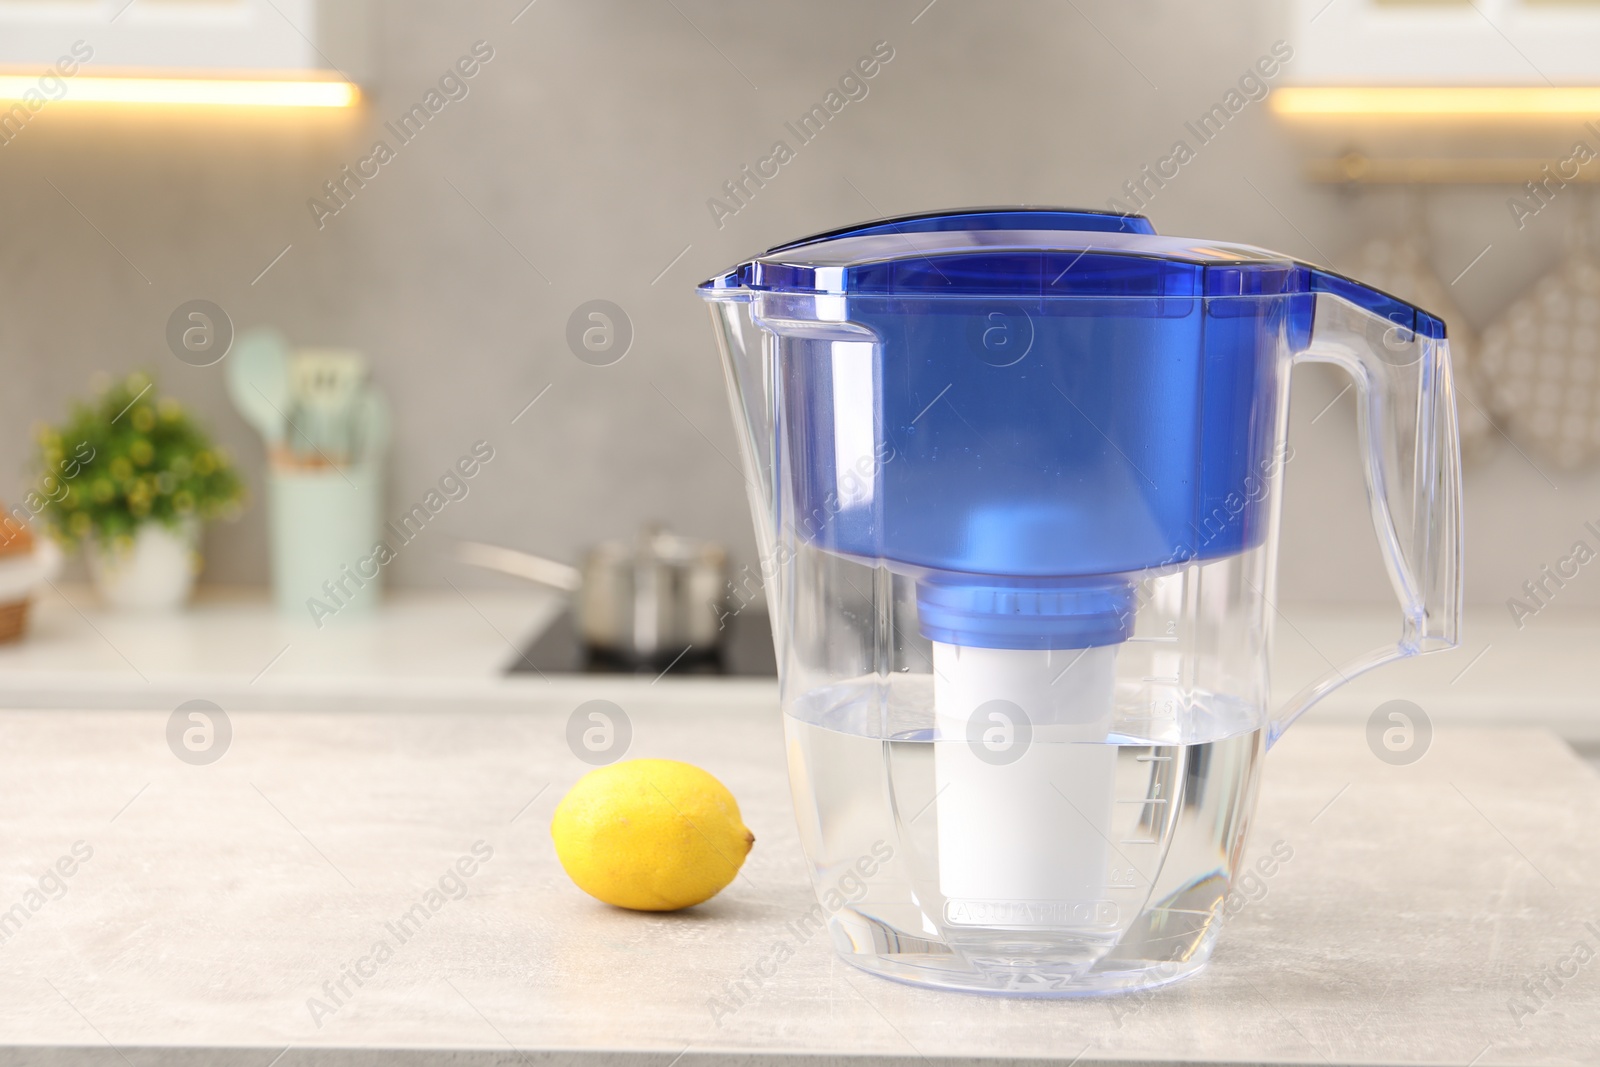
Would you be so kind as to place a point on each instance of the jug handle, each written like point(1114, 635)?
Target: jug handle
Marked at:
point(1399, 362)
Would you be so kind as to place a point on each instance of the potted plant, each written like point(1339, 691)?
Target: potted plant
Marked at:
point(136, 508)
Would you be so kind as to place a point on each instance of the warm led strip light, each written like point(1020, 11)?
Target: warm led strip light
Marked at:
point(223, 92)
point(1462, 100)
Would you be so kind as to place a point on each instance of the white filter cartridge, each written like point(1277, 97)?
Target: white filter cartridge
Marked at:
point(1025, 795)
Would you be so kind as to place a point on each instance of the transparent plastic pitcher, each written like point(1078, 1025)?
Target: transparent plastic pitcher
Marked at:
point(1015, 477)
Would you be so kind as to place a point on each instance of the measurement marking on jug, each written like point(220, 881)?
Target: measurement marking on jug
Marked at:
point(1139, 841)
point(1152, 759)
point(1144, 800)
point(1173, 680)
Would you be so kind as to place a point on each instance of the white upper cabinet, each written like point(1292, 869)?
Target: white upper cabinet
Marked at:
point(284, 38)
point(1445, 42)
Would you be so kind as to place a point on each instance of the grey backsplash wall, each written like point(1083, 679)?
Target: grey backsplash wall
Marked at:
point(579, 167)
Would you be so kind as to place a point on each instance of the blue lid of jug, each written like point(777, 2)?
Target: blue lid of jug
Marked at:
point(1042, 252)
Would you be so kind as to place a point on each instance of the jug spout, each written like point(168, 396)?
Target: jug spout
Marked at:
point(747, 373)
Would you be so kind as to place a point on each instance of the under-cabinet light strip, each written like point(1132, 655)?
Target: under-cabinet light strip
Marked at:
point(1466, 101)
point(215, 92)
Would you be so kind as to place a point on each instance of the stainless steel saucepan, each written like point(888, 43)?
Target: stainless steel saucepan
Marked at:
point(644, 600)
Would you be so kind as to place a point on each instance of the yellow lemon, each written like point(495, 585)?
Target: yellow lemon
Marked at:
point(650, 834)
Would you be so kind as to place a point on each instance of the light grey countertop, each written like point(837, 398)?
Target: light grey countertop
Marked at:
point(218, 899)
point(424, 649)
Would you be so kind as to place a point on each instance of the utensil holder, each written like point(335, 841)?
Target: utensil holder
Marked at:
point(325, 523)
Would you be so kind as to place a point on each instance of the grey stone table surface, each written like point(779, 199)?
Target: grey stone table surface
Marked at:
point(207, 905)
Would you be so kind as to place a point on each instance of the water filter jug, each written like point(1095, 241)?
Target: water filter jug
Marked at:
point(1015, 477)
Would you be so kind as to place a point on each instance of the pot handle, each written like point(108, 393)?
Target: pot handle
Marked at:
point(1399, 362)
point(546, 572)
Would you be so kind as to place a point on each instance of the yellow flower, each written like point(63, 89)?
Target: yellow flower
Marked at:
point(204, 463)
point(144, 419)
point(171, 410)
point(121, 469)
point(102, 490)
point(142, 452)
point(183, 502)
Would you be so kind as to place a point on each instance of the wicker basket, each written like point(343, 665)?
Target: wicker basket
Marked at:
point(13, 620)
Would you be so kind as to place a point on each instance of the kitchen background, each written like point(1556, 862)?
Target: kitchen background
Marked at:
point(268, 802)
point(579, 166)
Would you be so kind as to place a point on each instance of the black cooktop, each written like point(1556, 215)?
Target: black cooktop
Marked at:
point(746, 652)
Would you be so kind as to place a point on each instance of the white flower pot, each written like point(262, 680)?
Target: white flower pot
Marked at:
point(155, 573)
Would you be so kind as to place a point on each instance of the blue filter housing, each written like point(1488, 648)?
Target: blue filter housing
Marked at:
point(1105, 384)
